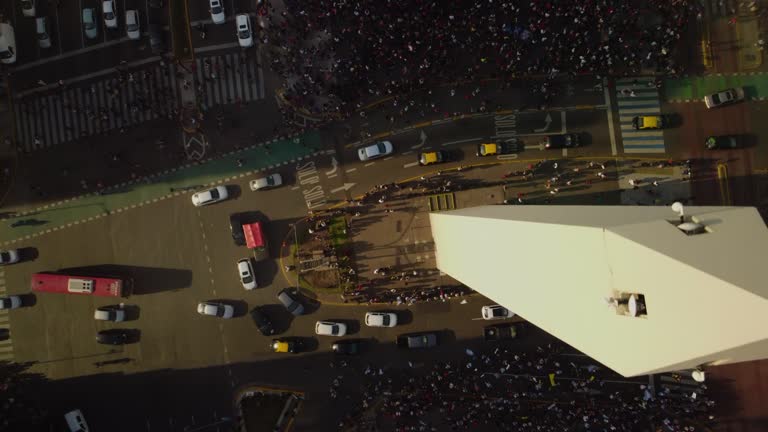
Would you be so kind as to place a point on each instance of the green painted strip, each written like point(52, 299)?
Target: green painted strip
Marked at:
point(755, 86)
point(158, 187)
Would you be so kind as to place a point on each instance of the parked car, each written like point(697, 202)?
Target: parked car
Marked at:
point(9, 256)
point(244, 33)
point(90, 28)
point(263, 322)
point(347, 347)
point(28, 8)
point(210, 196)
point(156, 38)
point(220, 310)
point(374, 151)
point(499, 332)
point(722, 142)
point(7, 44)
point(10, 302)
point(434, 157)
point(725, 97)
point(217, 12)
point(287, 345)
point(247, 277)
point(562, 141)
point(114, 313)
point(109, 12)
point(132, 24)
point(76, 421)
point(649, 122)
point(270, 181)
point(417, 340)
point(330, 328)
point(291, 302)
point(493, 312)
point(116, 336)
point(380, 319)
point(41, 28)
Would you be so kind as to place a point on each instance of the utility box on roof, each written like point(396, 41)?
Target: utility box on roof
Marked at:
point(256, 239)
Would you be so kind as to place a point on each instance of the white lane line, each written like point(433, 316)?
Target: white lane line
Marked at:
point(369, 164)
point(412, 164)
point(351, 170)
point(388, 158)
point(462, 141)
point(565, 152)
point(408, 152)
point(215, 47)
point(609, 111)
point(295, 187)
point(562, 119)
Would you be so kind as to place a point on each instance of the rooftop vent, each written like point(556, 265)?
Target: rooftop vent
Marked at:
point(690, 227)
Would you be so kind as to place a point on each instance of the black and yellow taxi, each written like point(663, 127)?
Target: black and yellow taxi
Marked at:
point(433, 157)
point(649, 122)
point(286, 345)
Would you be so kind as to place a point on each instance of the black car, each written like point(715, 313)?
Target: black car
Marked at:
point(562, 141)
point(722, 142)
point(157, 4)
point(116, 336)
point(417, 340)
point(347, 347)
point(236, 226)
point(263, 322)
point(156, 39)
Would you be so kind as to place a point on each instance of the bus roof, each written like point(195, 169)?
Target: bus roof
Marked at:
point(253, 235)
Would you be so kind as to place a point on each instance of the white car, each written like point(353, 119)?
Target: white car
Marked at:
point(90, 28)
point(220, 310)
point(217, 12)
point(724, 97)
point(10, 302)
point(219, 193)
point(7, 44)
point(132, 24)
point(9, 256)
point(494, 312)
point(245, 269)
point(28, 8)
point(375, 151)
point(380, 319)
point(110, 13)
point(244, 33)
point(41, 28)
point(330, 328)
point(114, 313)
point(270, 181)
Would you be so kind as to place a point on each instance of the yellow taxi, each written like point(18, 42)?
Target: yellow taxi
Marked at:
point(429, 158)
point(487, 149)
point(285, 346)
point(649, 122)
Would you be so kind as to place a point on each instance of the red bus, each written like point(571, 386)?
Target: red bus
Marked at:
point(71, 284)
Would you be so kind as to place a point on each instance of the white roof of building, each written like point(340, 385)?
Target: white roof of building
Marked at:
point(706, 294)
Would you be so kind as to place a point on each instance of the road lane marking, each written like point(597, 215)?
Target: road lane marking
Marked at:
point(351, 170)
point(462, 141)
point(408, 152)
point(369, 164)
point(388, 158)
point(412, 164)
point(611, 132)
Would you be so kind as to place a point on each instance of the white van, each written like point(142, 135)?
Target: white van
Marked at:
point(42, 32)
point(76, 421)
point(7, 44)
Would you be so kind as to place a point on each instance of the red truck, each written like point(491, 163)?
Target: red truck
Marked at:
point(256, 240)
point(85, 285)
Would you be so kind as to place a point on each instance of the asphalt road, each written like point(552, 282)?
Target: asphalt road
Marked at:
point(180, 255)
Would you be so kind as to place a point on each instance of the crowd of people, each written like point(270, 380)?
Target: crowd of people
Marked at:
point(505, 387)
point(333, 53)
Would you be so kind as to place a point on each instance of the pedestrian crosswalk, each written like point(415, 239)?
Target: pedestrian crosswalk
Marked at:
point(637, 97)
point(122, 100)
point(228, 79)
point(6, 344)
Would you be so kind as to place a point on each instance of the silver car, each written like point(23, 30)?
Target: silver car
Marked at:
point(724, 97)
point(90, 28)
point(290, 302)
point(374, 151)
